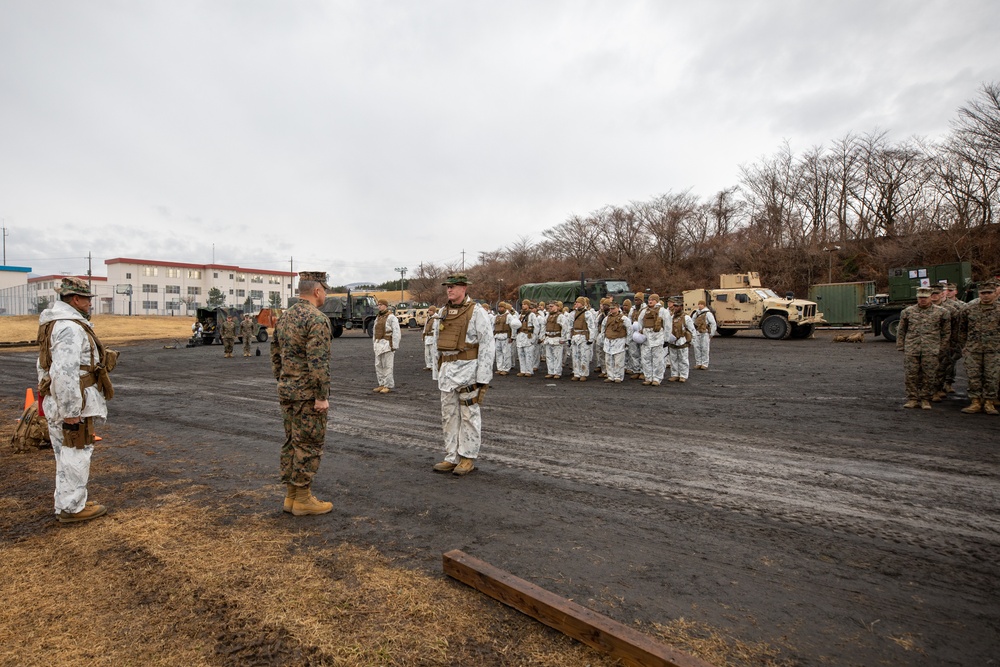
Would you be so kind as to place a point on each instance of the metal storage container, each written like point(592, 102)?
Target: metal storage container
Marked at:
point(839, 301)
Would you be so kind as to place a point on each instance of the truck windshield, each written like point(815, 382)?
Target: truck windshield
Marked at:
point(617, 287)
point(766, 293)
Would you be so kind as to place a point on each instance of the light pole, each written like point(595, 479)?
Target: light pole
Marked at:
point(499, 291)
point(831, 249)
point(402, 277)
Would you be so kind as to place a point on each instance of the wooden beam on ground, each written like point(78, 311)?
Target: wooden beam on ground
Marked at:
point(580, 623)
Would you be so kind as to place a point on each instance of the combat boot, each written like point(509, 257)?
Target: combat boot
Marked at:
point(654, 383)
point(464, 467)
point(938, 396)
point(975, 406)
point(306, 503)
point(444, 466)
point(925, 404)
point(90, 511)
point(990, 408)
point(912, 403)
point(948, 389)
point(583, 378)
point(289, 497)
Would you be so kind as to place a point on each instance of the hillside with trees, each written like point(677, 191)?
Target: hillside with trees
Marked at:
point(849, 210)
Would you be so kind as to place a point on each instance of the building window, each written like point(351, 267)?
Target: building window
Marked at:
point(241, 292)
point(173, 273)
point(128, 276)
point(241, 278)
point(193, 291)
point(172, 289)
point(173, 305)
point(273, 280)
point(150, 305)
point(194, 273)
point(271, 296)
point(150, 289)
point(149, 271)
point(215, 274)
point(230, 292)
point(256, 294)
point(230, 276)
point(257, 279)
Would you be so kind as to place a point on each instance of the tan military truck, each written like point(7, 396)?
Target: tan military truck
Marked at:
point(411, 314)
point(742, 303)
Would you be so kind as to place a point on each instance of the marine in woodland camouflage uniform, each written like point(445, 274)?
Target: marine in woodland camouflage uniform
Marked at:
point(300, 359)
point(924, 330)
point(228, 335)
point(246, 331)
point(954, 307)
point(979, 337)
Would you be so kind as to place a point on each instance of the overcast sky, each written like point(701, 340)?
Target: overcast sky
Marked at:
point(356, 137)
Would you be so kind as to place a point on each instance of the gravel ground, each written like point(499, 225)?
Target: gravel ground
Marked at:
point(782, 496)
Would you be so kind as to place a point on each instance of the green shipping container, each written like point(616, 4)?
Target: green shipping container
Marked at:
point(839, 301)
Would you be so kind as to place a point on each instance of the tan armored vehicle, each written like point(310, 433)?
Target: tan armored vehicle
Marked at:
point(411, 314)
point(741, 303)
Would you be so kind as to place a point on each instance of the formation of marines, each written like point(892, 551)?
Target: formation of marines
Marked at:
point(939, 330)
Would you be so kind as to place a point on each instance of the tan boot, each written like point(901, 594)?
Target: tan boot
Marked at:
point(575, 379)
point(654, 383)
point(975, 406)
point(925, 404)
point(90, 511)
point(948, 388)
point(378, 389)
point(912, 403)
point(444, 466)
point(386, 390)
point(464, 467)
point(289, 498)
point(990, 408)
point(936, 398)
point(306, 503)
point(583, 378)
point(682, 379)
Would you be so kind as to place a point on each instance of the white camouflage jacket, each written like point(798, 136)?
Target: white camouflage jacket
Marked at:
point(70, 352)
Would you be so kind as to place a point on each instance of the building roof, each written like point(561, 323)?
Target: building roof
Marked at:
point(60, 276)
point(16, 269)
point(185, 265)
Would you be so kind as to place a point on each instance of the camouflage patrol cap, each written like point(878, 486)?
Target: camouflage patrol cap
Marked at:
point(952, 286)
point(937, 289)
point(456, 279)
point(679, 300)
point(316, 277)
point(923, 291)
point(989, 286)
point(73, 285)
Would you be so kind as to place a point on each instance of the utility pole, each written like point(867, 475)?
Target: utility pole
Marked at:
point(402, 277)
point(90, 282)
point(463, 259)
point(291, 279)
point(5, 235)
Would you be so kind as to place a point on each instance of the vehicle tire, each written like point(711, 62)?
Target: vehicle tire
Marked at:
point(775, 327)
point(890, 326)
point(370, 328)
point(726, 333)
point(412, 324)
point(207, 340)
point(337, 331)
point(802, 330)
point(262, 336)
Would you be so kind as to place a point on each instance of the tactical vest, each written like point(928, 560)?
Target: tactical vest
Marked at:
point(429, 327)
point(500, 325)
point(580, 325)
point(651, 320)
point(452, 331)
point(701, 322)
point(380, 328)
point(97, 371)
point(552, 326)
point(677, 327)
point(526, 325)
point(615, 327)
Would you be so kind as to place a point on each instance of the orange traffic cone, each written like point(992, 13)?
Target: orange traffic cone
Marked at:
point(29, 398)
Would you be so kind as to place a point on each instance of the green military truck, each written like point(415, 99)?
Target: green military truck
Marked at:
point(350, 311)
point(594, 289)
point(881, 311)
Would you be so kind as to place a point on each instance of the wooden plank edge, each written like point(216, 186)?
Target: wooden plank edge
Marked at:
point(585, 625)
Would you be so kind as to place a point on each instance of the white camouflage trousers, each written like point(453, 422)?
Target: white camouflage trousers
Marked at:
point(430, 356)
point(680, 362)
point(633, 357)
point(654, 362)
point(615, 367)
point(383, 369)
point(701, 343)
point(462, 425)
point(553, 358)
point(582, 354)
point(72, 472)
point(503, 354)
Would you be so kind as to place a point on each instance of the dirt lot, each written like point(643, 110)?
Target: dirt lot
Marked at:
point(781, 497)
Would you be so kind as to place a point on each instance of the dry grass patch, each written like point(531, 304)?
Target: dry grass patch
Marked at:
point(113, 329)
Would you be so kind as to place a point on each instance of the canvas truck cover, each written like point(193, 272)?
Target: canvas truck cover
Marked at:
point(548, 292)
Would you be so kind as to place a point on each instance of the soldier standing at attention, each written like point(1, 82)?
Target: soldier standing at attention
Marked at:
point(525, 340)
point(505, 326)
point(556, 333)
point(617, 330)
point(228, 336)
point(705, 328)
point(979, 338)
point(653, 324)
point(430, 354)
point(73, 387)
point(246, 331)
point(924, 330)
point(679, 340)
point(300, 359)
point(601, 365)
point(385, 341)
point(954, 307)
point(584, 332)
point(466, 351)
point(633, 351)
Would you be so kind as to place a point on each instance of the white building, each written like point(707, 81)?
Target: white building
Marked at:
point(44, 287)
point(14, 298)
point(150, 287)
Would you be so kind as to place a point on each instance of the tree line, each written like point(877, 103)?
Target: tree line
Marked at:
point(845, 211)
